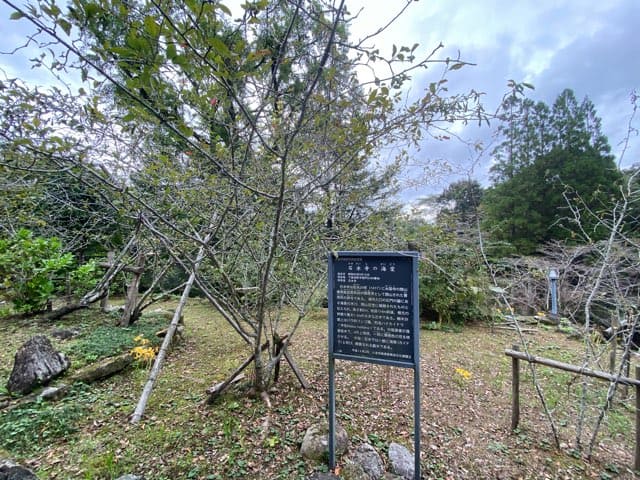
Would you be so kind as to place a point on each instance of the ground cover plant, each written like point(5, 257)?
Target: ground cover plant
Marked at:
point(465, 410)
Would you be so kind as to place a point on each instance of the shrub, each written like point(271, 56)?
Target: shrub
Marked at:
point(454, 283)
point(31, 269)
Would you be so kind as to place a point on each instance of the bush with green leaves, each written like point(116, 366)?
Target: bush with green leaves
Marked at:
point(34, 269)
point(454, 283)
point(456, 288)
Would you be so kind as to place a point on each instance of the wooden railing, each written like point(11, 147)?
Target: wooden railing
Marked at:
point(516, 355)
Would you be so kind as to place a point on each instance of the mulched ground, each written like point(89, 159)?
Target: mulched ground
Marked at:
point(466, 412)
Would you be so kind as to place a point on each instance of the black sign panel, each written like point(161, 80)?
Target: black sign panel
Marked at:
point(372, 307)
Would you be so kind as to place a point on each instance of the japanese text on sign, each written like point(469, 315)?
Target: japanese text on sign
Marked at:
point(373, 308)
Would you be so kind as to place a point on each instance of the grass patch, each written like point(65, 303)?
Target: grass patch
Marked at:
point(106, 341)
point(31, 427)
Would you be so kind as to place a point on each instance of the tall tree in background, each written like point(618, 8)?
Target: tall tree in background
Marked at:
point(462, 198)
point(550, 158)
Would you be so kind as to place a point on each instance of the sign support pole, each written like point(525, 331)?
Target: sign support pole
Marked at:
point(416, 421)
point(332, 415)
point(417, 429)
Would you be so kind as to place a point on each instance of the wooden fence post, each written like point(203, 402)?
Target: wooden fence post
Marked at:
point(515, 391)
point(636, 463)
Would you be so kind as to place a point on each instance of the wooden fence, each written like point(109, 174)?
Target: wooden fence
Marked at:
point(516, 355)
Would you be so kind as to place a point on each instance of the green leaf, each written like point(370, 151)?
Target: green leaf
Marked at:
point(220, 47)
point(151, 27)
point(171, 51)
point(185, 130)
point(456, 66)
point(224, 8)
point(91, 9)
point(16, 15)
point(64, 25)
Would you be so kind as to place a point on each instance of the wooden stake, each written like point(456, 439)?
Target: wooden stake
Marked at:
point(636, 463)
point(515, 391)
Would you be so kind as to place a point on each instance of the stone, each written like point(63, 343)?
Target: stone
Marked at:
point(315, 444)
point(54, 393)
point(322, 476)
point(63, 334)
point(102, 369)
point(402, 461)
point(36, 363)
point(367, 457)
point(353, 471)
point(13, 471)
point(130, 476)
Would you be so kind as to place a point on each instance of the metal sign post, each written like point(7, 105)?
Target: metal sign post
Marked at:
point(373, 318)
point(553, 282)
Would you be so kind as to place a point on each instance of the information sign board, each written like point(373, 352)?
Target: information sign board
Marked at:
point(372, 308)
point(373, 317)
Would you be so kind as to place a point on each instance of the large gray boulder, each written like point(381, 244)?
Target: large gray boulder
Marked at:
point(315, 444)
point(402, 461)
point(367, 457)
point(36, 363)
point(12, 471)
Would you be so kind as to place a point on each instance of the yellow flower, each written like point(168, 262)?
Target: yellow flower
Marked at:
point(464, 374)
point(142, 352)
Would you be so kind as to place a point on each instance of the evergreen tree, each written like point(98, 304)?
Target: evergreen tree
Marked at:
point(462, 198)
point(551, 158)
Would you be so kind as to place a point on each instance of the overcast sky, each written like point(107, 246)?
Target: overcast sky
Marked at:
point(590, 46)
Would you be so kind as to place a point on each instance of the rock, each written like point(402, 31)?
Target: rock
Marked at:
point(367, 457)
point(63, 334)
point(36, 363)
point(13, 471)
point(129, 476)
point(322, 476)
point(402, 461)
point(315, 444)
point(54, 393)
point(353, 471)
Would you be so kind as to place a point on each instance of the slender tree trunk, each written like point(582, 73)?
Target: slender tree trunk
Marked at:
point(132, 293)
point(104, 303)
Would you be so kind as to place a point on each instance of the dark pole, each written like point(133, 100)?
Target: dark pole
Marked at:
point(515, 391)
point(636, 463)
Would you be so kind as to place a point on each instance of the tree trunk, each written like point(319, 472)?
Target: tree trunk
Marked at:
point(104, 302)
point(128, 316)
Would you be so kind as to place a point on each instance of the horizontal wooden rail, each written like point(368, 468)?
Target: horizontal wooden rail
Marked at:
point(572, 368)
